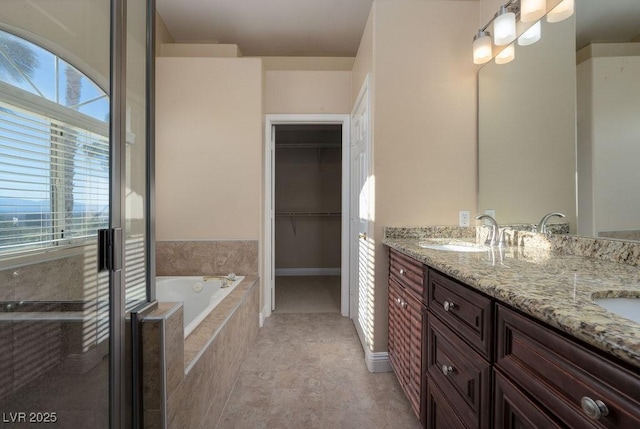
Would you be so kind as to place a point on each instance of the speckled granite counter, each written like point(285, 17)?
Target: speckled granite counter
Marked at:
point(554, 287)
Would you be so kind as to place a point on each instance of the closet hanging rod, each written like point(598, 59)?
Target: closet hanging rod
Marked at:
point(308, 145)
point(308, 214)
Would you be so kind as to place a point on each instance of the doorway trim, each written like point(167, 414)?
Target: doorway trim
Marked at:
point(268, 256)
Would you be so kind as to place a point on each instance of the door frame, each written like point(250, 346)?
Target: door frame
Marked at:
point(268, 249)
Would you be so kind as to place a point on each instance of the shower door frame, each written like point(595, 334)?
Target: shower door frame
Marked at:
point(122, 412)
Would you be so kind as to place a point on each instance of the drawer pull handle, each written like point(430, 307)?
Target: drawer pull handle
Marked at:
point(446, 369)
point(404, 304)
point(448, 305)
point(398, 301)
point(402, 272)
point(594, 409)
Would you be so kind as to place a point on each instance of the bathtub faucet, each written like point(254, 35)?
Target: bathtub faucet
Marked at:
point(225, 279)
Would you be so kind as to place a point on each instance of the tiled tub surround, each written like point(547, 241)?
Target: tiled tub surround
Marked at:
point(206, 257)
point(187, 383)
point(552, 278)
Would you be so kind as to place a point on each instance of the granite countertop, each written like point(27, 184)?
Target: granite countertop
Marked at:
point(554, 287)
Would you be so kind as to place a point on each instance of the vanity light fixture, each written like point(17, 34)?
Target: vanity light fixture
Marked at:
point(532, 10)
point(505, 30)
point(506, 55)
point(531, 36)
point(504, 26)
point(482, 49)
point(561, 12)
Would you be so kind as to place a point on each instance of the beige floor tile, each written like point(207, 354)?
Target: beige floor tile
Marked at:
point(307, 371)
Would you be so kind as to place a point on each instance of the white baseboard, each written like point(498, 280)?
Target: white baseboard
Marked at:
point(262, 319)
point(377, 362)
point(307, 271)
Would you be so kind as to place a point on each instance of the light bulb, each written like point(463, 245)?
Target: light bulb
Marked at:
point(531, 36)
point(482, 49)
point(504, 27)
point(532, 10)
point(506, 55)
point(561, 12)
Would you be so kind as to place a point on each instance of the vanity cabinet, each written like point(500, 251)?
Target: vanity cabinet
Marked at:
point(573, 385)
point(467, 361)
point(407, 321)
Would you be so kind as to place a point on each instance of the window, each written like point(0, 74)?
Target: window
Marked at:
point(54, 150)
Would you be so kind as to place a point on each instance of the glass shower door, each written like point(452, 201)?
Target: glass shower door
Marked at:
point(67, 152)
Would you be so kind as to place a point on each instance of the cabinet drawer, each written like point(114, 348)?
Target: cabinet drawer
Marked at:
point(408, 272)
point(468, 313)
point(462, 374)
point(558, 373)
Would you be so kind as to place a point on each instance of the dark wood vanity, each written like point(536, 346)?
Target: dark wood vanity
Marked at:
point(467, 360)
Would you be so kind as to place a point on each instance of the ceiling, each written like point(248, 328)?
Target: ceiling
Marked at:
point(334, 27)
point(606, 21)
point(270, 27)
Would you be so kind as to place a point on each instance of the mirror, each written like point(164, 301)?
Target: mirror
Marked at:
point(534, 158)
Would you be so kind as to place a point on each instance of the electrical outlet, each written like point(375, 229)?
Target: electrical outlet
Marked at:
point(463, 218)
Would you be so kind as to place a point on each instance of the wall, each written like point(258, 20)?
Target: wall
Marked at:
point(208, 148)
point(424, 122)
point(162, 35)
point(296, 85)
point(608, 103)
point(298, 92)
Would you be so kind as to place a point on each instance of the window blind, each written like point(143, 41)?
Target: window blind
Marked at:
point(54, 181)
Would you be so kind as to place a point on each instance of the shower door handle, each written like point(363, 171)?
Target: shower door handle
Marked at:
point(109, 241)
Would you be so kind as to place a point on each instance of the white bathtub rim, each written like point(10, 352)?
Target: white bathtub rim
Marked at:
point(224, 292)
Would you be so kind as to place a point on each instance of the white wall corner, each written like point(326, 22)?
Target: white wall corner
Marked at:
point(377, 361)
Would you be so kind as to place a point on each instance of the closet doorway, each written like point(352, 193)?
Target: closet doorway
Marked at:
point(307, 268)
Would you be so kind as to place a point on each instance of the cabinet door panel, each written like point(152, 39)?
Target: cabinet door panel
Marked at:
point(408, 272)
point(514, 410)
point(439, 414)
point(416, 313)
point(396, 332)
point(558, 373)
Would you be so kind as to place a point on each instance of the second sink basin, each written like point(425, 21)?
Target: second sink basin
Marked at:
point(629, 308)
point(454, 247)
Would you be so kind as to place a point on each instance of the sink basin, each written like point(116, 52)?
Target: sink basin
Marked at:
point(454, 247)
point(628, 308)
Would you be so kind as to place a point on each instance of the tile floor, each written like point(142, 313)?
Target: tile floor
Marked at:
point(307, 371)
point(307, 294)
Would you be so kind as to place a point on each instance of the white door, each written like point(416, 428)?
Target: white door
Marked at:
point(360, 288)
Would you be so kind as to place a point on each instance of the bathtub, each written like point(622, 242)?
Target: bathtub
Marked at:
point(199, 296)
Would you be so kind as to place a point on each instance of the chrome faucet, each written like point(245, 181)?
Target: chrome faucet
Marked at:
point(542, 226)
point(496, 231)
